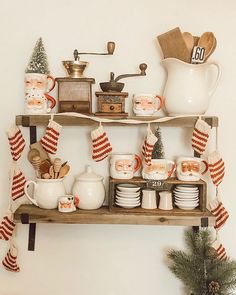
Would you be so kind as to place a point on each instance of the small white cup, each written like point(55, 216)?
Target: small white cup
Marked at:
point(165, 200)
point(149, 200)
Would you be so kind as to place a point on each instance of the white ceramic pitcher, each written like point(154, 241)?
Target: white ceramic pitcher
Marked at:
point(189, 87)
point(46, 192)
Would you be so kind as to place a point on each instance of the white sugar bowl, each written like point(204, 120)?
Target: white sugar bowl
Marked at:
point(89, 187)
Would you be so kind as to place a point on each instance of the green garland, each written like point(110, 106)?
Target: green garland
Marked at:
point(200, 269)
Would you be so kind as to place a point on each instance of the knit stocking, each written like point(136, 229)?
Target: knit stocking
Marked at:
point(219, 249)
point(9, 262)
point(200, 136)
point(50, 139)
point(16, 142)
point(147, 146)
point(100, 144)
point(216, 167)
point(218, 210)
point(18, 183)
point(6, 227)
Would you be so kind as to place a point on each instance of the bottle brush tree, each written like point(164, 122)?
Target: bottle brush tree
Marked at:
point(38, 62)
point(200, 268)
point(158, 149)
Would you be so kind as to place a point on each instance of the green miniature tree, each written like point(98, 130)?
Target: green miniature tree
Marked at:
point(38, 62)
point(158, 149)
point(200, 269)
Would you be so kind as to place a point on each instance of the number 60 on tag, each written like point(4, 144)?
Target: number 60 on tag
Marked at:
point(198, 54)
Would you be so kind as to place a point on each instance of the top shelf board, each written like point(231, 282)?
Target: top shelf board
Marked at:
point(90, 120)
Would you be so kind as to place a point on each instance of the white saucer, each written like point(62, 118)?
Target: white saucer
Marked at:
point(127, 206)
point(186, 200)
point(128, 187)
point(127, 195)
point(127, 200)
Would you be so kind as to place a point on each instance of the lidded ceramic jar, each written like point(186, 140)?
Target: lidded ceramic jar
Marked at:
point(89, 187)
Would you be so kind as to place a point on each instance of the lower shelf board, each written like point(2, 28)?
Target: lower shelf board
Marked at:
point(196, 217)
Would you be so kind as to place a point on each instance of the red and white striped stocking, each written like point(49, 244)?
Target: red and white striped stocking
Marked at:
point(216, 167)
point(16, 142)
point(218, 210)
point(50, 140)
point(147, 146)
point(219, 249)
point(7, 227)
point(200, 136)
point(17, 184)
point(101, 147)
point(10, 260)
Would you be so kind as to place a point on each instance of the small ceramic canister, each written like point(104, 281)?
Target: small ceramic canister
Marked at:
point(149, 200)
point(165, 202)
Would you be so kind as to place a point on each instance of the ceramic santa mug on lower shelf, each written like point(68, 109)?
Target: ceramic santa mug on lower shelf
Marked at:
point(191, 168)
point(124, 165)
point(146, 104)
point(159, 169)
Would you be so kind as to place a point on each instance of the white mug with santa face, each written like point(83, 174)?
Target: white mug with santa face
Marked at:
point(159, 169)
point(37, 87)
point(123, 166)
point(146, 104)
point(191, 168)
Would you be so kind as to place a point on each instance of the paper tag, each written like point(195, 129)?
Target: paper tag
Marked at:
point(198, 54)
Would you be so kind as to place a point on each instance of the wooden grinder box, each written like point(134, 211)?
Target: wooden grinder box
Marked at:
point(75, 95)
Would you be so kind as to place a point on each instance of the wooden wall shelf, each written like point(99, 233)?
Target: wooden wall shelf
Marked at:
point(66, 120)
point(31, 214)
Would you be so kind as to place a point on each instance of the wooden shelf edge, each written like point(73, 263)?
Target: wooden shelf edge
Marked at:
point(103, 216)
point(36, 120)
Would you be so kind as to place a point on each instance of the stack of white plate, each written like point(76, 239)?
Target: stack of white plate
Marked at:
point(186, 196)
point(127, 195)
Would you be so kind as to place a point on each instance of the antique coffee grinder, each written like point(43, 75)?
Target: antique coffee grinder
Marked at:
point(75, 91)
point(111, 101)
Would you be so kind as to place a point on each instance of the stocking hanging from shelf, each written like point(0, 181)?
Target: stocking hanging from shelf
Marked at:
point(216, 167)
point(10, 260)
point(200, 136)
point(50, 140)
point(16, 142)
point(101, 147)
point(218, 210)
point(17, 183)
point(148, 145)
point(219, 248)
point(7, 227)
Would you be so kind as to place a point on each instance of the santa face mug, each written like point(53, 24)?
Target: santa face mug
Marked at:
point(37, 87)
point(146, 104)
point(159, 169)
point(191, 168)
point(123, 166)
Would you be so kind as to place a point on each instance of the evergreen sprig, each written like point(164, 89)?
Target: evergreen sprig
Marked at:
point(38, 62)
point(200, 268)
point(158, 149)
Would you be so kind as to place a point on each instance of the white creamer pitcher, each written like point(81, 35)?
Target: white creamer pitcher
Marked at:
point(46, 192)
point(189, 87)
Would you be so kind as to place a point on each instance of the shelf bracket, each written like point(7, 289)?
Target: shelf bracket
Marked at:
point(32, 231)
point(204, 222)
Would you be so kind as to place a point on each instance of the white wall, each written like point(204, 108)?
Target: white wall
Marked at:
point(108, 259)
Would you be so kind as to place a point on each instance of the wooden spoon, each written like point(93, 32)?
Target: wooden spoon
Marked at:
point(189, 40)
point(32, 153)
point(63, 171)
point(207, 40)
